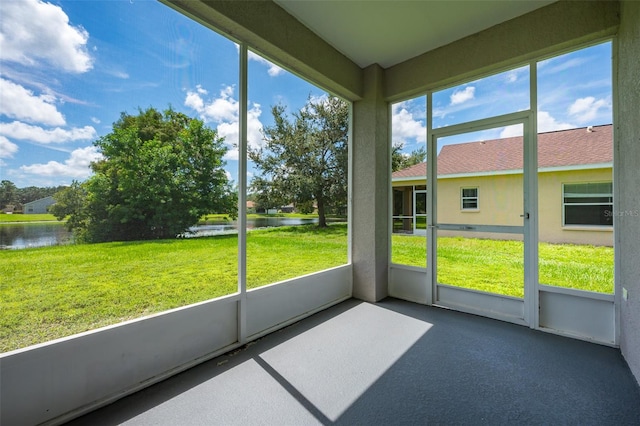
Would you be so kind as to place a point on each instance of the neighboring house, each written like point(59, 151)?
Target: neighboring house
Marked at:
point(480, 183)
point(287, 209)
point(38, 206)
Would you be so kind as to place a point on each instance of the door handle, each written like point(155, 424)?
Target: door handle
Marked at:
point(526, 215)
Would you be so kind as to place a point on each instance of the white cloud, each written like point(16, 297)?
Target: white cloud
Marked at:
point(273, 70)
point(95, 120)
point(195, 102)
point(33, 31)
point(230, 131)
point(7, 148)
point(586, 109)
point(514, 75)
point(460, 96)
point(223, 111)
point(119, 74)
point(405, 126)
point(76, 166)
point(18, 102)
point(511, 131)
point(561, 63)
point(23, 131)
point(546, 123)
point(223, 108)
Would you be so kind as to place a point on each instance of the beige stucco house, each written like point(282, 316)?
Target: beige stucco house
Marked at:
point(480, 183)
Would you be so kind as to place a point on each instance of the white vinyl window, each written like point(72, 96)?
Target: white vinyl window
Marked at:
point(469, 199)
point(588, 204)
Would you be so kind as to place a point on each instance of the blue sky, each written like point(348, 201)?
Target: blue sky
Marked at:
point(574, 90)
point(69, 68)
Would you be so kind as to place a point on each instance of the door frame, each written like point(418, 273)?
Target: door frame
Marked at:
point(414, 201)
point(523, 311)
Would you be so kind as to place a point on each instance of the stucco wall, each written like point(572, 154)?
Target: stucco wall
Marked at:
point(500, 203)
point(499, 200)
point(627, 152)
point(371, 172)
point(550, 209)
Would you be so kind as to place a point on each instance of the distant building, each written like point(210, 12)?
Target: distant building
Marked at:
point(38, 206)
point(482, 183)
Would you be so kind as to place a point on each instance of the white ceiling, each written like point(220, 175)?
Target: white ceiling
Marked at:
point(388, 32)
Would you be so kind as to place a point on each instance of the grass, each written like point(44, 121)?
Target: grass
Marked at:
point(52, 292)
point(498, 266)
point(13, 218)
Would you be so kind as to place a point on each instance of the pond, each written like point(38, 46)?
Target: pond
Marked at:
point(26, 235)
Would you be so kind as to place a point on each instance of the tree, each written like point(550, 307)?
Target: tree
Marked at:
point(304, 160)
point(400, 160)
point(159, 174)
point(8, 193)
point(71, 204)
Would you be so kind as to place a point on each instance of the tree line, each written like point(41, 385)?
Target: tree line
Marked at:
point(160, 172)
point(11, 195)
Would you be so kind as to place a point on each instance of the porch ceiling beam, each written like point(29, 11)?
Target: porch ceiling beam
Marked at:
point(270, 30)
point(544, 31)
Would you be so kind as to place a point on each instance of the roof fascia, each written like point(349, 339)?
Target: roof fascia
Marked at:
point(577, 167)
point(270, 30)
point(418, 179)
point(557, 26)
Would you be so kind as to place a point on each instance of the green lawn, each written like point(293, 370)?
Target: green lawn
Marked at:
point(498, 266)
point(11, 218)
point(51, 292)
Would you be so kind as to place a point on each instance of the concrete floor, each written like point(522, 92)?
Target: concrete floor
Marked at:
point(394, 362)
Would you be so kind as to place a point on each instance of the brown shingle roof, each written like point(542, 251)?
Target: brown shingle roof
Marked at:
point(412, 171)
point(555, 149)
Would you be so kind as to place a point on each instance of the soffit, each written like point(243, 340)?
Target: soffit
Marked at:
point(390, 32)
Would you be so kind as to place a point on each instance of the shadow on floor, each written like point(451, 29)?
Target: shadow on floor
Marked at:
point(394, 362)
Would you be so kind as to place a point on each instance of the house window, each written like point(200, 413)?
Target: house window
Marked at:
point(588, 204)
point(469, 199)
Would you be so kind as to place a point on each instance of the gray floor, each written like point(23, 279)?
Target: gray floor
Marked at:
point(394, 363)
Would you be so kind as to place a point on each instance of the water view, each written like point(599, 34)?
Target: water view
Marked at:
point(23, 235)
point(28, 235)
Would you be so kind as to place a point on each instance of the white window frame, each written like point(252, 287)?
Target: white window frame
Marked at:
point(565, 204)
point(476, 198)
